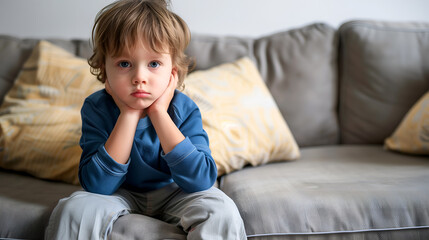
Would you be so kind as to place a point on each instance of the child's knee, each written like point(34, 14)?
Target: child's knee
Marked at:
point(227, 210)
point(91, 214)
point(221, 208)
point(218, 216)
point(76, 204)
point(81, 204)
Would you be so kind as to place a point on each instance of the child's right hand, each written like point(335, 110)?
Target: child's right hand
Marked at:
point(120, 140)
point(124, 108)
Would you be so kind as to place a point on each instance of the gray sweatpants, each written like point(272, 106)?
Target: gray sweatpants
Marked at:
point(207, 214)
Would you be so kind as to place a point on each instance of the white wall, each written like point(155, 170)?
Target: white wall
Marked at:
point(74, 18)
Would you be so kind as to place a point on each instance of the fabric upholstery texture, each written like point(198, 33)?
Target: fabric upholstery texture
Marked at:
point(15, 51)
point(383, 72)
point(300, 70)
point(40, 116)
point(240, 116)
point(299, 67)
point(280, 58)
point(400, 234)
point(412, 135)
point(333, 190)
point(26, 204)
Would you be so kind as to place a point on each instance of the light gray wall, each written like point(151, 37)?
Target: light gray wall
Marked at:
point(74, 18)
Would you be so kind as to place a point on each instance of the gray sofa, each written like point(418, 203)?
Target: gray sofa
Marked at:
point(341, 91)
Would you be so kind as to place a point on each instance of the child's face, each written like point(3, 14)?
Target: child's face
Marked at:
point(140, 76)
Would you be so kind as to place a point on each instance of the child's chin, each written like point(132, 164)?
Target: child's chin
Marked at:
point(139, 106)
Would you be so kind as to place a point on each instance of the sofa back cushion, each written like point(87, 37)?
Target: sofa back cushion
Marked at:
point(299, 67)
point(15, 51)
point(40, 124)
point(384, 70)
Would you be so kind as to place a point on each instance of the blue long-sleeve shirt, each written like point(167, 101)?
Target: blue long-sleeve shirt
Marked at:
point(190, 164)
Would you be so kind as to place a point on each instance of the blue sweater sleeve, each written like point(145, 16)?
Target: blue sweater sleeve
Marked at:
point(98, 172)
point(191, 164)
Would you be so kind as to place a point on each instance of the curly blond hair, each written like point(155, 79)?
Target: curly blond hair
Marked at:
point(123, 24)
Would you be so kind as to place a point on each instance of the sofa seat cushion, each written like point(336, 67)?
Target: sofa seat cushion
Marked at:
point(333, 190)
point(26, 204)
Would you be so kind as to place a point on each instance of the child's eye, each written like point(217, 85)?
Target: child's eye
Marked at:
point(154, 64)
point(124, 64)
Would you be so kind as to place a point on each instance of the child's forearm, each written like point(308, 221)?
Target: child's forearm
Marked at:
point(120, 141)
point(168, 133)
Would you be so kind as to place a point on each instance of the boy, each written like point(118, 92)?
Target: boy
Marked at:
point(143, 142)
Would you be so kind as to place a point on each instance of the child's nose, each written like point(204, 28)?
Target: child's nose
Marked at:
point(139, 77)
point(138, 80)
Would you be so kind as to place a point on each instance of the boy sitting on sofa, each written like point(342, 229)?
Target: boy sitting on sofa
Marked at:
point(144, 147)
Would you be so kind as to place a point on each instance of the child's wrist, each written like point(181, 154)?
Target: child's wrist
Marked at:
point(132, 115)
point(156, 112)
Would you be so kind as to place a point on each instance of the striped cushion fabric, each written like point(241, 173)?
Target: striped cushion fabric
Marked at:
point(244, 124)
point(40, 116)
point(412, 134)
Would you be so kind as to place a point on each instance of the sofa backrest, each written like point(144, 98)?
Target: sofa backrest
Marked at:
point(15, 51)
point(298, 66)
point(384, 70)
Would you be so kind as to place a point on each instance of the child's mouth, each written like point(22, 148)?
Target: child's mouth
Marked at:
point(140, 94)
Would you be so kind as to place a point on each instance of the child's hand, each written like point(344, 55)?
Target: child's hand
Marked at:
point(162, 103)
point(121, 105)
point(168, 133)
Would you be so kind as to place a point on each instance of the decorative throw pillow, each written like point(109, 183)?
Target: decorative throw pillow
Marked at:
point(240, 116)
point(412, 134)
point(40, 123)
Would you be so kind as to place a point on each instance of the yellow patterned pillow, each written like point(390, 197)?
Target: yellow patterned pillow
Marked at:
point(240, 116)
point(412, 135)
point(40, 123)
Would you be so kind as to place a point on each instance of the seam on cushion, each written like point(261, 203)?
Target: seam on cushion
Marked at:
point(386, 28)
point(343, 85)
point(338, 232)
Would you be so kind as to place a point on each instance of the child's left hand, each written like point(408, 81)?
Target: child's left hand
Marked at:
point(162, 103)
